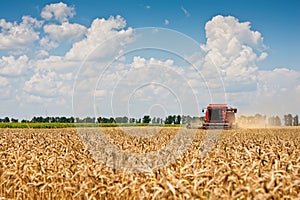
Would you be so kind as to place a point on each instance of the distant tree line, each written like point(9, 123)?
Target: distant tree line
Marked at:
point(171, 119)
point(274, 121)
point(262, 120)
point(41, 119)
point(6, 119)
point(289, 120)
point(258, 119)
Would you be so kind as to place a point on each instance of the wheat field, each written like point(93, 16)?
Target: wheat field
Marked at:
point(241, 164)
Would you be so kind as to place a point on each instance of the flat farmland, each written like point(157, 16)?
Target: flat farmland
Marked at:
point(239, 164)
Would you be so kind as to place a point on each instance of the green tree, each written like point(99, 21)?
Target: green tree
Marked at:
point(33, 119)
point(154, 120)
point(184, 119)
point(103, 120)
point(131, 120)
point(112, 120)
point(77, 119)
point(178, 119)
point(288, 120)
point(122, 119)
point(170, 119)
point(88, 120)
point(6, 119)
point(63, 120)
point(159, 120)
point(296, 121)
point(146, 119)
point(14, 120)
point(71, 120)
point(274, 121)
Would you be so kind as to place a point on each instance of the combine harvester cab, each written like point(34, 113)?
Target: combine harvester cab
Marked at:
point(219, 116)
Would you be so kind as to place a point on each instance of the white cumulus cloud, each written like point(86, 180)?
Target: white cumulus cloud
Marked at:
point(54, 76)
point(41, 54)
point(5, 88)
point(109, 33)
point(10, 66)
point(59, 11)
point(45, 83)
point(139, 85)
point(47, 44)
point(56, 63)
point(14, 36)
point(228, 34)
point(234, 49)
point(138, 62)
point(65, 31)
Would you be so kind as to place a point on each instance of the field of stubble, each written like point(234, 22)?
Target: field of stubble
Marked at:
point(243, 164)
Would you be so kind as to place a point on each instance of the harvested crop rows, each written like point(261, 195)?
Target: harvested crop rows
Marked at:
point(243, 163)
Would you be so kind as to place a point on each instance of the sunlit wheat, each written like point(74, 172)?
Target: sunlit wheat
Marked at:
point(242, 164)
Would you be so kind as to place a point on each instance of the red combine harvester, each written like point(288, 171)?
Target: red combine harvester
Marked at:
point(219, 116)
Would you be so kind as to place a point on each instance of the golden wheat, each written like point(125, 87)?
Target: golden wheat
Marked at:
point(241, 164)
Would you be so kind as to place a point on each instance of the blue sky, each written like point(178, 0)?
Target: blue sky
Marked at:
point(46, 54)
point(277, 20)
